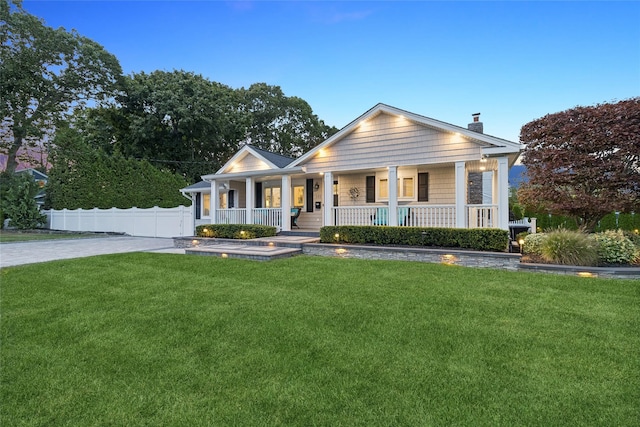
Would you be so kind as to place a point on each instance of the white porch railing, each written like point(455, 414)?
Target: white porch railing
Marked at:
point(482, 216)
point(356, 215)
point(441, 216)
point(231, 216)
point(267, 216)
point(409, 216)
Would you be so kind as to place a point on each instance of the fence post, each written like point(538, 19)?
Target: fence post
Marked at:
point(133, 211)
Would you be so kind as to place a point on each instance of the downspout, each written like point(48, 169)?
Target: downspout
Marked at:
point(192, 209)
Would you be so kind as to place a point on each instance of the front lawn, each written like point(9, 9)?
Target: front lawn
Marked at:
point(172, 340)
point(8, 236)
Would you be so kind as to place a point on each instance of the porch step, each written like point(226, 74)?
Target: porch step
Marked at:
point(262, 249)
point(300, 233)
point(254, 252)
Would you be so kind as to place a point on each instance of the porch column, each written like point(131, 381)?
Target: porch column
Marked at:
point(193, 212)
point(249, 196)
point(503, 193)
point(327, 199)
point(461, 195)
point(285, 203)
point(214, 200)
point(393, 195)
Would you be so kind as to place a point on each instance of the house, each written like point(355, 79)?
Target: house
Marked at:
point(387, 167)
point(39, 178)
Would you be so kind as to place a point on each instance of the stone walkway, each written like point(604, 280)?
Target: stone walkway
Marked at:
point(19, 253)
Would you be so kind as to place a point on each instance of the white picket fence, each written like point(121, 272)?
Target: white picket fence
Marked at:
point(152, 222)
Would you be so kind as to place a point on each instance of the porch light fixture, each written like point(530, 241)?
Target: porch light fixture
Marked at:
point(316, 186)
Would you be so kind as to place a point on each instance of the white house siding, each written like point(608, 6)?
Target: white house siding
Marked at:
point(345, 183)
point(390, 140)
point(241, 194)
point(441, 185)
point(247, 164)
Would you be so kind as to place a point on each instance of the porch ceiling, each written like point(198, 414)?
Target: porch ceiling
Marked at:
point(482, 165)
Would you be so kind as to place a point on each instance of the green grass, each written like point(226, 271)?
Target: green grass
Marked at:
point(157, 339)
point(26, 236)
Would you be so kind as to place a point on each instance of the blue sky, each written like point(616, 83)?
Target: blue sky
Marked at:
point(511, 61)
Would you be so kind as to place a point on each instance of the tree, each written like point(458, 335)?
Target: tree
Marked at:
point(85, 177)
point(584, 162)
point(18, 202)
point(178, 120)
point(281, 124)
point(44, 74)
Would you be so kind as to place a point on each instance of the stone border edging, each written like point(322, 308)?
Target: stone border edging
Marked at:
point(466, 258)
point(505, 261)
point(606, 272)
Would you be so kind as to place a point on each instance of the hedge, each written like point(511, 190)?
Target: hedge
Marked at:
point(480, 239)
point(235, 231)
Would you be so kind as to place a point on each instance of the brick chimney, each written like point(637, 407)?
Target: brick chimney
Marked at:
point(476, 125)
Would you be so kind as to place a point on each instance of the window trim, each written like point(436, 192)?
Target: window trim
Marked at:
point(383, 179)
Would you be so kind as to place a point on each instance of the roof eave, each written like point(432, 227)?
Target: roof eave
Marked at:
point(254, 174)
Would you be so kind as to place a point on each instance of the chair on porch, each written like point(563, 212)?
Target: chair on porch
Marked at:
point(403, 216)
point(380, 217)
point(295, 213)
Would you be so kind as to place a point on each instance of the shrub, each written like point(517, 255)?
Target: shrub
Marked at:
point(533, 244)
point(18, 203)
point(614, 247)
point(235, 231)
point(569, 247)
point(481, 239)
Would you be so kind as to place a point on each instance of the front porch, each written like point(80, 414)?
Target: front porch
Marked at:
point(442, 216)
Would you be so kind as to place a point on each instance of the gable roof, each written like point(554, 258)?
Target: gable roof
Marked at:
point(273, 160)
point(277, 159)
point(492, 144)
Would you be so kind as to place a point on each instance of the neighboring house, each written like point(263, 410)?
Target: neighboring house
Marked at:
point(41, 179)
point(387, 167)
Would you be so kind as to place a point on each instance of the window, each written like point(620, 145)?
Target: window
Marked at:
point(406, 192)
point(384, 188)
point(298, 196)
point(405, 187)
point(206, 203)
point(223, 200)
point(272, 197)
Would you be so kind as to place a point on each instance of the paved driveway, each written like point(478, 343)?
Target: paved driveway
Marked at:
point(48, 250)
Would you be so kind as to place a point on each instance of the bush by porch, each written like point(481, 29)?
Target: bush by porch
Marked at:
point(480, 239)
point(235, 231)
